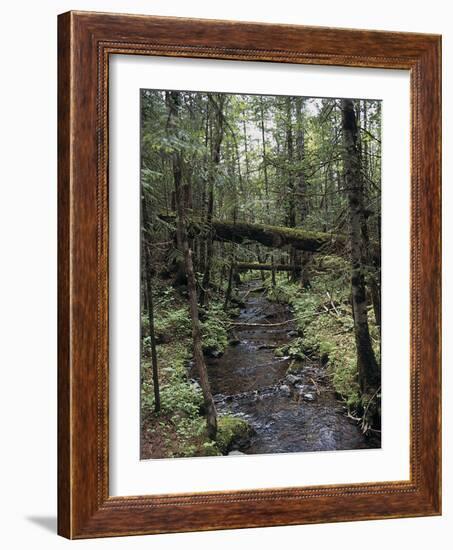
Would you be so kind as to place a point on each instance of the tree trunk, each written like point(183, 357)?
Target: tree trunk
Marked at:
point(218, 100)
point(373, 278)
point(173, 101)
point(290, 192)
point(230, 281)
point(273, 272)
point(266, 177)
point(244, 266)
point(258, 255)
point(150, 303)
point(275, 236)
point(368, 369)
point(204, 182)
point(177, 266)
point(289, 156)
point(246, 152)
point(301, 259)
point(375, 289)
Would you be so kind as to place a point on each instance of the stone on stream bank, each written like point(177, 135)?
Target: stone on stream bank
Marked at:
point(285, 390)
point(233, 433)
point(214, 353)
point(234, 342)
point(293, 379)
point(308, 396)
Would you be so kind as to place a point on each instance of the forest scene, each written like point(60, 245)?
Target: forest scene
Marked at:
point(260, 274)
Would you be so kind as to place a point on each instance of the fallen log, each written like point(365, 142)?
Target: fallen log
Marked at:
point(268, 235)
point(263, 324)
point(243, 266)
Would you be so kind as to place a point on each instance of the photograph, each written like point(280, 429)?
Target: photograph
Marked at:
point(260, 274)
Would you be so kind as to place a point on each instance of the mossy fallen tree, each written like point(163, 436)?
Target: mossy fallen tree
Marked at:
point(243, 266)
point(269, 235)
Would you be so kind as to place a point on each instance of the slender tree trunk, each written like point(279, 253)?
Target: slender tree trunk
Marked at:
point(173, 101)
point(150, 304)
point(266, 178)
point(374, 267)
point(215, 161)
point(230, 279)
point(177, 266)
point(368, 369)
point(246, 151)
point(273, 271)
point(203, 212)
point(290, 185)
point(375, 289)
point(302, 259)
point(229, 287)
point(258, 255)
point(325, 198)
point(365, 143)
point(290, 158)
point(300, 148)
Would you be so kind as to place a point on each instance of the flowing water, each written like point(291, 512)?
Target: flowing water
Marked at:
point(288, 413)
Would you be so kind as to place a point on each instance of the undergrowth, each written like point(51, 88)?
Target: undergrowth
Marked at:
point(324, 321)
point(179, 428)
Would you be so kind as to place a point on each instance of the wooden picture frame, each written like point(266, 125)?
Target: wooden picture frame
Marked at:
point(85, 42)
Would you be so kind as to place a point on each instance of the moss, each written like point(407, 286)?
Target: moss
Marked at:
point(294, 349)
point(269, 235)
point(210, 448)
point(332, 264)
point(232, 431)
point(317, 237)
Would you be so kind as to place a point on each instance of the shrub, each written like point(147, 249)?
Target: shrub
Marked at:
point(175, 323)
point(214, 331)
point(328, 333)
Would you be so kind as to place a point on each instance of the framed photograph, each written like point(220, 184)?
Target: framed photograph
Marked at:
point(249, 275)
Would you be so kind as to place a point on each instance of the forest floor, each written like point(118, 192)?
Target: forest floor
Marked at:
point(285, 387)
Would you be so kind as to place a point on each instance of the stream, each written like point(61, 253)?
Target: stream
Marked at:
point(289, 413)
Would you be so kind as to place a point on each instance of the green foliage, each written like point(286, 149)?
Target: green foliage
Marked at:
point(332, 265)
point(176, 393)
point(175, 322)
point(230, 431)
point(172, 321)
point(283, 293)
point(294, 349)
point(327, 331)
point(179, 425)
point(214, 329)
point(180, 396)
